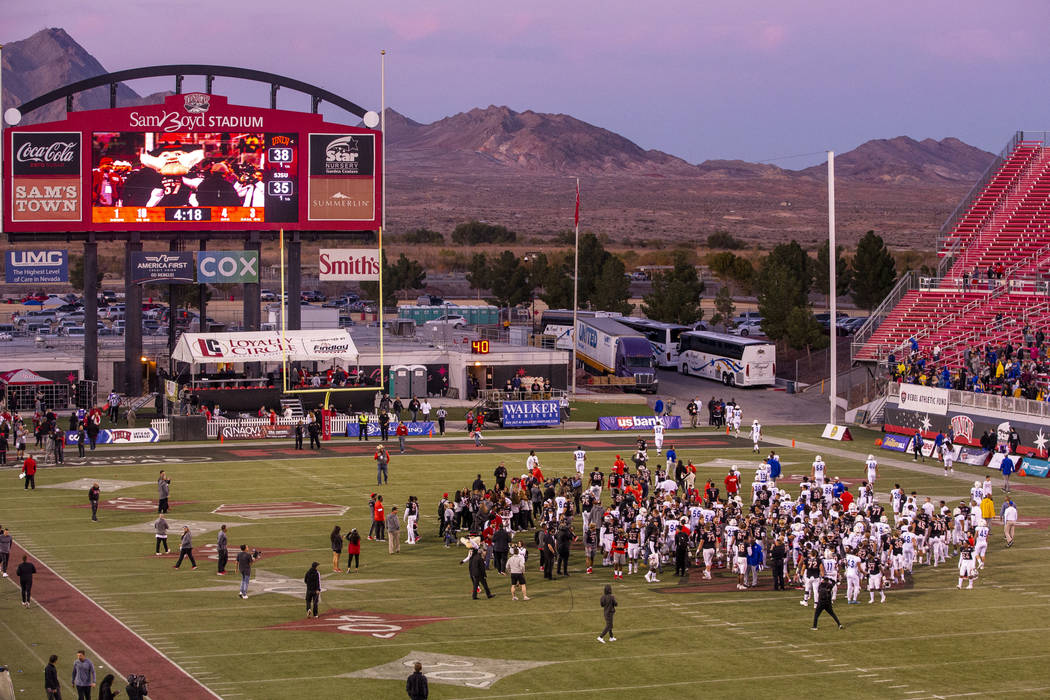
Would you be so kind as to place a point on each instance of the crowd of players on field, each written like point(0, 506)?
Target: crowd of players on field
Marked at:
point(656, 515)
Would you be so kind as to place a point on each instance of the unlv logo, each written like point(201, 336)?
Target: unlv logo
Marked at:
point(210, 347)
point(963, 427)
point(197, 102)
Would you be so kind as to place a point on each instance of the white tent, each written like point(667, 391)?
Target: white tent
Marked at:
point(266, 346)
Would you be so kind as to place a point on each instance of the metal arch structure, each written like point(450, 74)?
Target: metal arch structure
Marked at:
point(131, 382)
point(317, 94)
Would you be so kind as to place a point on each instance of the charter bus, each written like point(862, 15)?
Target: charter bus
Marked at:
point(663, 337)
point(732, 360)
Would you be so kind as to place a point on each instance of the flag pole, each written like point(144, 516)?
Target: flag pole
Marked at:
point(575, 287)
point(382, 221)
point(832, 287)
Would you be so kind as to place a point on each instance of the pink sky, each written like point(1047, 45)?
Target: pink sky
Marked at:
point(752, 80)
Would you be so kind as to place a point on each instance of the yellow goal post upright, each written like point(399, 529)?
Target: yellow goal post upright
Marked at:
point(284, 327)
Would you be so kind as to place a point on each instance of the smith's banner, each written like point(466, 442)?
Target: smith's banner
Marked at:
point(348, 265)
point(526, 414)
point(925, 399)
point(162, 268)
point(36, 266)
point(638, 422)
point(228, 266)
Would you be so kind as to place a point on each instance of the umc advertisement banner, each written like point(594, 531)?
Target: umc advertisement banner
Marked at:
point(529, 414)
point(36, 266)
point(638, 422)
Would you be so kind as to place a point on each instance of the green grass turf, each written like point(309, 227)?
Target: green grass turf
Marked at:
point(932, 638)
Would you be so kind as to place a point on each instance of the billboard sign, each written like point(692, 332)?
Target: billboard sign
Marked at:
point(928, 399)
point(240, 431)
point(227, 266)
point(193, 162)
point(45, 176)
point(36, 266)
point(638, 422)
point(346, 265)
point(897, 443)
point(161, 268)
point(527, 414)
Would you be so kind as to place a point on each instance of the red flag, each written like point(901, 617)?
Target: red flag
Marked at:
point(577, 219)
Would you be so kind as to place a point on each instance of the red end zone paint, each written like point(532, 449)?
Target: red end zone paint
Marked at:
point(143, 505)
point(378, 625)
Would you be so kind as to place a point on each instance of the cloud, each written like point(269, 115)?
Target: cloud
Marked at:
point(413, 26)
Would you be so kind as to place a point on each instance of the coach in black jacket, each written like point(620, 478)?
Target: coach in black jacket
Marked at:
point(477, 574)
point(416, 685)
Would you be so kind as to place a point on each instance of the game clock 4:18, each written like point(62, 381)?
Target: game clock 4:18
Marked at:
point(186, 214)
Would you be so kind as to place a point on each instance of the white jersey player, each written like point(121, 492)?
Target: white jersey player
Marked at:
point(819, 470)
point(658, 434)
point(756, 434)
point(738, 418)
point(580, 456)
point(948, 457)
point(981, 547)
point(977, 494)
point(852, 566)
point(873, 470)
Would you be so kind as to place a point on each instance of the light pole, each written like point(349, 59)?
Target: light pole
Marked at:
point(575, 285)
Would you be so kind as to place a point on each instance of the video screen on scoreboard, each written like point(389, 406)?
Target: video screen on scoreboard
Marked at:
point(229, 177)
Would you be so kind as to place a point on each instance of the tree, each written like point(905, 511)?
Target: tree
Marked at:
point(76, 273)
point(794, 259)
point(676, 294)
point(724, 240)
point(611, 288)
point(509, 280)
point(843, 274)
point(873, 271)
point(724, 307)
point(478, 272)
point(780, 291)
point(404, 274)
point(730, 267)
point(476, 232)
point(423, 236)
point(803, 331)
point(599, 286)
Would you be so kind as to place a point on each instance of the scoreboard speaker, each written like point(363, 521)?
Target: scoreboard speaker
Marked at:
point(186, 428)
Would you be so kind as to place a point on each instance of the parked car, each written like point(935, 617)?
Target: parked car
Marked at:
point(75, 331)
point(747, 328)
point(267, 295)
point(747, 316)
point(825, 319)
point(312, 295)
point(429, 300)
point(453, 320)
point(5, 336)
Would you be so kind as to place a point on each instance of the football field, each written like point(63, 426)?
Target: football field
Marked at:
point(102, 588)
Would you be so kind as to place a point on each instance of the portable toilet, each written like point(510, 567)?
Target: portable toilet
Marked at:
point(419, 380)
point(400, 381)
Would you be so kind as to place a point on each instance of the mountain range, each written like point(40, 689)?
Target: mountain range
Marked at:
point(499, 145)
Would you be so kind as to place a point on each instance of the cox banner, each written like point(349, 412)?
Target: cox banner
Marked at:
point(348, 265)
point(927, 399)
point(419, 427)
point(638, 422)
point(524, 414)
point(218, 266)
point(164, 268)
point(36, 266)
point(117, 436)
point(1035, 467)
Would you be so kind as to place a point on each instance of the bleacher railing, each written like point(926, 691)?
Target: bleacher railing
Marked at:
point(988, 402)
point(907, 282)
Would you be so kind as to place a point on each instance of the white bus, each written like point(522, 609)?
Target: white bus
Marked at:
point(663, 337)
point(729, 359)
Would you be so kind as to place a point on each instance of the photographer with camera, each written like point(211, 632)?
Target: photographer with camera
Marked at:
point(137, 687)
point(244, 567)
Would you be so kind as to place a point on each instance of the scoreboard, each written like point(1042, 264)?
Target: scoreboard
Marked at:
point(194, 162)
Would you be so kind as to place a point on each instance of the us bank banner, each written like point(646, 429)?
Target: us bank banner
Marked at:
point(527, 414)
point(638, 422)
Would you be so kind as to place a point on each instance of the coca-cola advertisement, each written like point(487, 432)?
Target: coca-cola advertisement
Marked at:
point(46, 153)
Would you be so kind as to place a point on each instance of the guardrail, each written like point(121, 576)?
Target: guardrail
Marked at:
point(905, 284)
point(988, 402)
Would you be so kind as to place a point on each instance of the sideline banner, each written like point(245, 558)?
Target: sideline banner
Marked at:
point(526, 414)
point(638, 422)
point(836, 432)
point(897, 443)
point(927, 399)
point(256, 432)
point(417, 428)
point(1031, 466)
point(971, 455)
point(116, 436)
